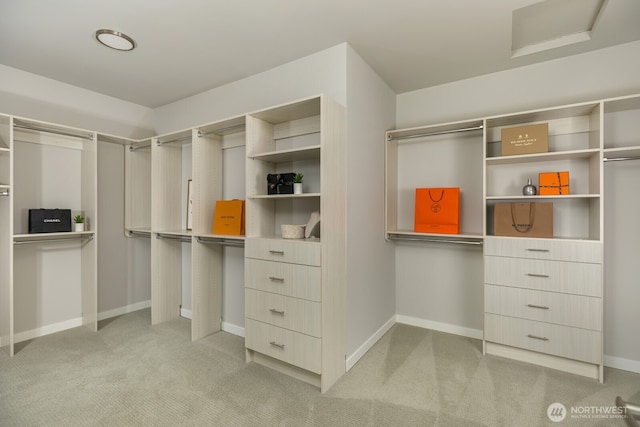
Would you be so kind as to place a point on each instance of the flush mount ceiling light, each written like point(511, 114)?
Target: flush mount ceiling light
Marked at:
point(115, 40)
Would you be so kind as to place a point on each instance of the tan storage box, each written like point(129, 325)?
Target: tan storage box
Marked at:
point(525, 139)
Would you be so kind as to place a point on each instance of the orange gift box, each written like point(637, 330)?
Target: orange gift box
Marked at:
point(553, 183)
point(228, 218)
point(437, 210)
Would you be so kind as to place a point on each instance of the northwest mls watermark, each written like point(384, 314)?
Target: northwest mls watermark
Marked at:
point(557, 412)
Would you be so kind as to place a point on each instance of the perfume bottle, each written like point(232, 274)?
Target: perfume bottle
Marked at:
point(529, 189)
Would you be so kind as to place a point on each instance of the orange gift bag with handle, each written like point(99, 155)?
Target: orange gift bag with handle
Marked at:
point(437, 210)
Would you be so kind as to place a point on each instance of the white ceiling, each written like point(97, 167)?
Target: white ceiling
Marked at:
point(188, 46)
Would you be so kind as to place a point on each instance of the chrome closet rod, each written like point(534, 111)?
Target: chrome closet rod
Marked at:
point(619, 159)
point(132, 148)
point(57, 132)
point(172, 237)
point(140, 233)
point(64, 239)
point(5, 193)
point(218, 131)
point(184, 138)
point(427, 239)
point(420, 135)
point(239, 243)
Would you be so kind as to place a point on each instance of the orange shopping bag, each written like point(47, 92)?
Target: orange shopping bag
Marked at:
point(437, 210)
point(228, 217)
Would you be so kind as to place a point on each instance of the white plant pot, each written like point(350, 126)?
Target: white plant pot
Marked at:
point(78, 226)
point(297, 188)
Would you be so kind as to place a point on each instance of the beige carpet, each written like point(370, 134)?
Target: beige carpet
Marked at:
point(133, 374)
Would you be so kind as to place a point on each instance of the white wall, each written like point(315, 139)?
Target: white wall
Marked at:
point(595, 75)
point(35, 97)
point(370, 267)
point(323, 72)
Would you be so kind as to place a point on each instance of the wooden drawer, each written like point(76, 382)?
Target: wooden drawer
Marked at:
point(549, 249)
point(555, 276)
point(300, 281)
point(564, 341)
point(282, 344)
point(551, 307)
point(286, 312)
point(293, 251)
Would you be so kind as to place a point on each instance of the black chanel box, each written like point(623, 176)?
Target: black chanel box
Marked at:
point(281, 183)
point(49, 220)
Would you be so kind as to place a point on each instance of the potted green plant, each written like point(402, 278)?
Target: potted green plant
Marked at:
point(297, 183)
point(78, 222)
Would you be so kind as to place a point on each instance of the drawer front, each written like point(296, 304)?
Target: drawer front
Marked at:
point(564, 341)
point(282, 344)
point(282, 250)
point(551, 307)
point(300, 281)
point(555, 276)
point(286, 312)
point(550, 249)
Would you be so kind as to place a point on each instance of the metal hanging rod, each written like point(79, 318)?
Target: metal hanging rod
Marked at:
point(63, 239)
point(54, 131)
point(184, 138)
point(132, 148)
point(420, 135)
point(5, 193)
point(139, 233)
point(219, 131)
point(223, 242)
point(172, 237)
point(435, 240)
point(619, 159)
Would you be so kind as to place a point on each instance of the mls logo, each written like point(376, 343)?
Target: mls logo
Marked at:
point(556, 412)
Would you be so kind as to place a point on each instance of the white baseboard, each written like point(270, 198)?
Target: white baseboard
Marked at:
point(233, 329)
point(441, 327)
point(362, 350)
point(124, 310)
point(47, 329)
point(227, 327)
point(622, 364)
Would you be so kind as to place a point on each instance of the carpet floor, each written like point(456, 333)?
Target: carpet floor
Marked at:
point(131, 373)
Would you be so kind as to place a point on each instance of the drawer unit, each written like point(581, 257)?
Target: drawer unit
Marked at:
point(286, 312)
point(556, 276)
point(281, 250)
point(549, 249)
point(551, 307)
point(300, 281)
point(564, 341)
point(291, 347)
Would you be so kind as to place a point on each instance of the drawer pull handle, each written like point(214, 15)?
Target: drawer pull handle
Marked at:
point(274, 311)
point(272, 252)
point(275, 344)
point(546, 276)
point(538, 250)
point(538, 338)
point(543, 307)
point(276, 279)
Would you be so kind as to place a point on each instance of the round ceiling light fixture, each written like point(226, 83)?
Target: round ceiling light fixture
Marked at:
point(115, 39)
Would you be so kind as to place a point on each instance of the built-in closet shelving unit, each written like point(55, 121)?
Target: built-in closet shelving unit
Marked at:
point(446, 155)
point(158, 173)
point(43, 165)
point(6, 233)
point(543, 297)
point(295, 289)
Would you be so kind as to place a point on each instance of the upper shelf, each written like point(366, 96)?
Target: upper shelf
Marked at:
point(539, 157)
point(291, 155)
